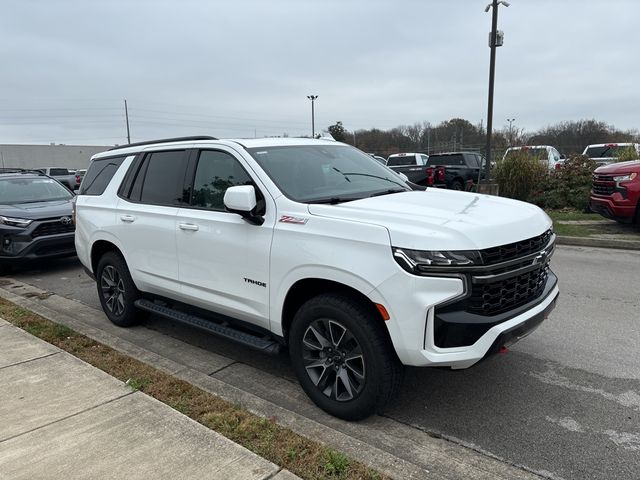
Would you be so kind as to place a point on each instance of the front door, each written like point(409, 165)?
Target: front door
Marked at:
point(223, 259)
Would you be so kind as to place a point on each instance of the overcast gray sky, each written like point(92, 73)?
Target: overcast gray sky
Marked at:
point(243, 68)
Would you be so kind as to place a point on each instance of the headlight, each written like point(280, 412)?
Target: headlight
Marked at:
point(15, 222)
point(625, 178)
point(419, 261)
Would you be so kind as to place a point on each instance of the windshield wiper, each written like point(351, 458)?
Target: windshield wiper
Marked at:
point(332, 200)
point(388, 192)
point(364, 175)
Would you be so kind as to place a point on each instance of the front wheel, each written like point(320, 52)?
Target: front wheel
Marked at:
point(116, 290)
point(343, 357)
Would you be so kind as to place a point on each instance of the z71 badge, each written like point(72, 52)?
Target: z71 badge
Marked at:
point(290, 219)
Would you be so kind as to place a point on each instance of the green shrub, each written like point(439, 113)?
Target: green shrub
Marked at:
point(567, 187)
point(519, 175)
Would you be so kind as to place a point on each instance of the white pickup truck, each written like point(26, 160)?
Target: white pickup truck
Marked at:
point(63, 175)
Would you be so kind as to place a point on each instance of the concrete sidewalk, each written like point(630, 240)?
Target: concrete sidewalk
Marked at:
point(63, 418)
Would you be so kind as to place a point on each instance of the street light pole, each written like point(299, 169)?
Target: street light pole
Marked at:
point(511, 120)
point(313, 116)
point(493, 37)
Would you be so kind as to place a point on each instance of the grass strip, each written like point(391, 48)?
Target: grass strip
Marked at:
point(308, 459)
point(572, 230)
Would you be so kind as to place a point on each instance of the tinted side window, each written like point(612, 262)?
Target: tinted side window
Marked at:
point(216, 171)
point(59, 171)
point(99, 175)
point(164, 178)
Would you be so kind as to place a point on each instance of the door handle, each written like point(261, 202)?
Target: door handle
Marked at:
point(189, 226)
point(127, 218)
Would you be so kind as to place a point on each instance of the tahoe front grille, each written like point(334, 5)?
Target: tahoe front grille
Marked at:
point(52, 228)
point(493, 298)
point(514, 250)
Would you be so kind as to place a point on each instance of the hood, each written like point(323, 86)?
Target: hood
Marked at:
point(38, 210)
point(620, 167)
point(437, 219)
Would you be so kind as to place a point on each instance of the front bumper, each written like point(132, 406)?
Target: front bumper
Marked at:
point(454, 321)
point(42, 238)
point(621, 209)
point(21, 248)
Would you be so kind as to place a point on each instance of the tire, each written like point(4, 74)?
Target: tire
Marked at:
point(364, 372)
point(116, 291)
point(457, 185)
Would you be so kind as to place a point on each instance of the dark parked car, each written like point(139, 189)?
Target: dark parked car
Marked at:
point(35, 217)
point(454, 170)
point(412, 165)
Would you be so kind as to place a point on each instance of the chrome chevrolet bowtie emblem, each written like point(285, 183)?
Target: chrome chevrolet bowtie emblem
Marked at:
point(65, 220)
point(540, 258)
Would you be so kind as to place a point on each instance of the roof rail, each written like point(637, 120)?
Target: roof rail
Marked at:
point(165, 140)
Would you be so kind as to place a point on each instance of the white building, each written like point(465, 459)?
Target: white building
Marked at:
point(38, 156)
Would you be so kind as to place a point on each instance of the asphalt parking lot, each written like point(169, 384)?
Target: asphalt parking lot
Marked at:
point(564, 402)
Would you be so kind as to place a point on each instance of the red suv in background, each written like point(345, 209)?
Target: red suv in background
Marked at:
point(615, 192)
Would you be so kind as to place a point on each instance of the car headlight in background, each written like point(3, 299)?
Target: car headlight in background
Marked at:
point(625, 178)
point(419, 261)
point(15, 222)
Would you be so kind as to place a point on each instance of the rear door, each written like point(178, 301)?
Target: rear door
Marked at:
point(224, 260)
point(146, 220)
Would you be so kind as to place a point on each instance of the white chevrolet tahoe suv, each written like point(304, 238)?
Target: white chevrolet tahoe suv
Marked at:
point(313, 245)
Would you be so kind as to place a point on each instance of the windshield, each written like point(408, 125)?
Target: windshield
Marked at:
point(537, 153)
point(325, 173)
point(606, 151)
point(29, 190)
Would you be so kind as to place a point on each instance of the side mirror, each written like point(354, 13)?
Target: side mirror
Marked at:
point(241, 199)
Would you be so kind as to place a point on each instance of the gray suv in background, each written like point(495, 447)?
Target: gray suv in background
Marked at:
point(35, 217)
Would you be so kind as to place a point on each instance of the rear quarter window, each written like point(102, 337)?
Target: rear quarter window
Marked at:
point(99, 174)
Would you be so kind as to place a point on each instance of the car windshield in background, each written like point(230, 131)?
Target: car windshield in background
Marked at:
point(451, 160)
point(538, 153)
point(606, 151)
point(31, 190)
point(399, 161)
point(326, 173)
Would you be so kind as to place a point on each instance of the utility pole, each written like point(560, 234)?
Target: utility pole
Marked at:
point(313, 116)
point(511, 120)
point(495, 40)
point(126, 116)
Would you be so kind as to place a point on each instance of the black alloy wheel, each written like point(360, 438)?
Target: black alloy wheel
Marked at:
point(343, 356)
point(112, 288)
point(333, 360)
point(116, 290)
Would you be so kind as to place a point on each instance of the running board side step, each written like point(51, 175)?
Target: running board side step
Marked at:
point(263, 344)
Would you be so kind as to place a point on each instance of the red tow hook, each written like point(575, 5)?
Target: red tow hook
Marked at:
point(503, 349)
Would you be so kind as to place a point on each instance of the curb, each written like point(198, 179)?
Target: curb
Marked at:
point(599, 242)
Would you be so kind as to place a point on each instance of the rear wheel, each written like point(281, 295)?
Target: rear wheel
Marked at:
point(116, 290)
point(457, 185)
point(343, 357)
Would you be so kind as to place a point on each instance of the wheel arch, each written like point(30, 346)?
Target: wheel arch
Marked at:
point(98, 249)
point(307, 288)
